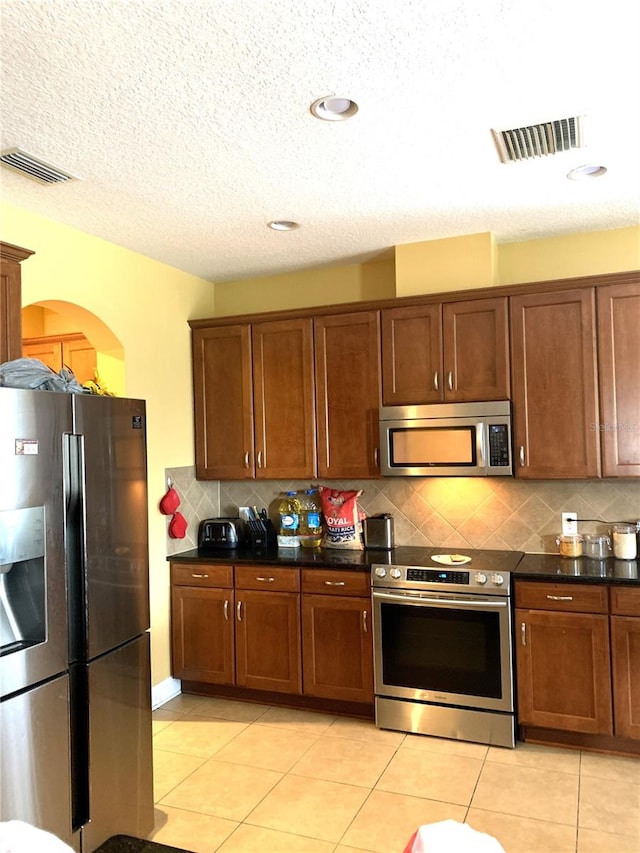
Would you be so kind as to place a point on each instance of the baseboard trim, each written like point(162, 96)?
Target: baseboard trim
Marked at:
point(165, 690)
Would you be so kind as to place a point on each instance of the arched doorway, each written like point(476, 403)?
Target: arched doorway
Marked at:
point(60, 332)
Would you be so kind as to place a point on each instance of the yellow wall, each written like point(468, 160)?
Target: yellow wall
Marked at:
point(589, 253)
point(329, 285)
point(455, 263)
point(146, 305)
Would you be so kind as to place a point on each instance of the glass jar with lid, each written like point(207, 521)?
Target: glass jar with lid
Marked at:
point(570, 546)
point(624, 541)
point(596, 546)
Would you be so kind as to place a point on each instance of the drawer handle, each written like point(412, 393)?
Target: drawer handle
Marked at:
point(560, 597)
point(265, 580)
point(226, 610)
point(523, 633)
point(364, 622)
point(194, 575)
point(239, 611)
point(334, 583)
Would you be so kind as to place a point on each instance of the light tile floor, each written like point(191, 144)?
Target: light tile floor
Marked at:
point(236, 777)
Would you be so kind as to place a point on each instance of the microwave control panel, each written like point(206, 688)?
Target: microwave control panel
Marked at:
point(498, 445)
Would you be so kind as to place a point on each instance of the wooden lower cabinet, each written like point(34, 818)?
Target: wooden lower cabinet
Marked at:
point(202, 629)
point(564, 680)
point(268, 641)
point(625, 661)
point(337, 641)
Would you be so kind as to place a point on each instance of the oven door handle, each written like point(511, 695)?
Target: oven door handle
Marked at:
point(465, 603)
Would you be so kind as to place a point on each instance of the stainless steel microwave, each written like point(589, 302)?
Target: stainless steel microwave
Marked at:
point(446, 440)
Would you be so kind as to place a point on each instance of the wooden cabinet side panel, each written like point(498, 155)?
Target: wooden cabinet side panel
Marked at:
point(348, 394)
point(10, 311)
point(284, 397)
point(564, 679)
point(625, 648)
point(619, 369)
point(554, 384)
point(223, 402)
point(476, 350)
point(202, 647)
point(268, 641)
point(411, 355)
point(337, 648)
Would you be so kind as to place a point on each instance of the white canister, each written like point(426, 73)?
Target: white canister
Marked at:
point(624, 542)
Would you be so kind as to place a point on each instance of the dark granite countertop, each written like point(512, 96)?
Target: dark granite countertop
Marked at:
point(578, 569)
point(524, 566)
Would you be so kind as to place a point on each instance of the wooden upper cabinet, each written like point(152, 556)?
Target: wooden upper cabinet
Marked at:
point(554, 382)
point(457, 352)
point(619, 367)
point(476, 350)
point(73, 351)
point(11, 300)
point(283, 393)
point(223, 402)
point(348, 394)
point(411, 355)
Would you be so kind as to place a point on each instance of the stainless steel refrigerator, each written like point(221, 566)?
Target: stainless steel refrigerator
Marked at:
point(75, 698)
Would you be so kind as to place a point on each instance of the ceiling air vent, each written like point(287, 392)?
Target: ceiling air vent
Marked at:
point(31, 167)
point(539, 140)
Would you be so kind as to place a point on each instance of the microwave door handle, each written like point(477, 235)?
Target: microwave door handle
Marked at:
point(481, 454)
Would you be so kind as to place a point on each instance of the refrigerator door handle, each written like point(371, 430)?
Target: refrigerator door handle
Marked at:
point(74, 538)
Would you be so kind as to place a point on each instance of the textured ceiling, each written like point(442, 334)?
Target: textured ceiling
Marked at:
point(189, 125)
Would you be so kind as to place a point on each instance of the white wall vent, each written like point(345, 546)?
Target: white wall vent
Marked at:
point(539, 140)
point(31, 167)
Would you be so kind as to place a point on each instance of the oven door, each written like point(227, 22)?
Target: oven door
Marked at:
point(444, 648)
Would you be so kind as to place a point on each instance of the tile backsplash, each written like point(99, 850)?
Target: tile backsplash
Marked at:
point(500, 513)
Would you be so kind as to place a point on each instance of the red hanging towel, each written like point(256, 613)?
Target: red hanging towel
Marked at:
point(170, 502)
point(178, 526)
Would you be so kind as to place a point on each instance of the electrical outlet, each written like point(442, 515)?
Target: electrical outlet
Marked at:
point(569, 523)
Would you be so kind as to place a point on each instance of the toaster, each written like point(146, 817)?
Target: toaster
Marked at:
point(214, 533)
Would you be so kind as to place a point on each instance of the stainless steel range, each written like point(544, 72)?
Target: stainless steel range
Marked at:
point(443, 646)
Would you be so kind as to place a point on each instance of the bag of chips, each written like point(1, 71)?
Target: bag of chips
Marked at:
point(342, 519)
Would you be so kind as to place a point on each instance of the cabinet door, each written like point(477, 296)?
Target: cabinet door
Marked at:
point(411, 355)
point(49, 352)
point(337, 647)
point(619, 366)
point(625, 656)
point(202, 645)
point(348, 394)
point(80, 357)
point(268, 641)
point(11, 300)
point(476, 350)
point(283, 392)
point(554, 385)
point(564, 677)
point(223, 403)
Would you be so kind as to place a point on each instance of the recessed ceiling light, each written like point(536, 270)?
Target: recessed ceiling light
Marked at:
point(283, 225)
point(590, 170)
point(334, 108)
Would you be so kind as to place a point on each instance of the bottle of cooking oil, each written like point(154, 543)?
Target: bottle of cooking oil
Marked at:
point(289, 509)
point(310, 519)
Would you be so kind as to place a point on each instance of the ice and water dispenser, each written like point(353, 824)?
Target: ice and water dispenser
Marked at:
point(23, 608)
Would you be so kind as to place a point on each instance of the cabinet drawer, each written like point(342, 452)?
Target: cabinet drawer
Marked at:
point(572, 597)
point(625, 601)
point(269, 578)
point(325, 581)
point(201, 574)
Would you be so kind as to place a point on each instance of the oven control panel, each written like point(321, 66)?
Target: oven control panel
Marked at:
point(418, 577)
